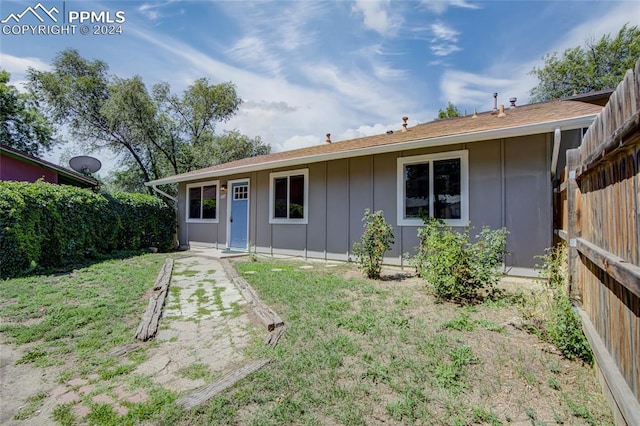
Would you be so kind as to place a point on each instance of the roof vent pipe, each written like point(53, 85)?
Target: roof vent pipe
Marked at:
point(501, 114)
point(475, 113)
point(328, 138)
point(513, 102)
point(404, 125)
point(495, 101)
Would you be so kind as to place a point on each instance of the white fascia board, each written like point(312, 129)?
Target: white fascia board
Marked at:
point(508, 132)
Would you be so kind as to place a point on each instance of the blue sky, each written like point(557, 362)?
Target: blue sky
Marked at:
point(307, 68)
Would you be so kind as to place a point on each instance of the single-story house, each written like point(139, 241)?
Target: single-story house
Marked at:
point(20, 166)
point(494, 169)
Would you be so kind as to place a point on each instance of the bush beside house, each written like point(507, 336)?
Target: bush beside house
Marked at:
point(376, 240)
point(45, 225)
point(456, 268)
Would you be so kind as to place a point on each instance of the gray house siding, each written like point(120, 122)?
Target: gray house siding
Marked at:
point(337, 209)
point(384, 198)
point(261, 237)
point(316, 228)
point(528, 199)
point(360, 194)
point(486, 186)
point(509, 185)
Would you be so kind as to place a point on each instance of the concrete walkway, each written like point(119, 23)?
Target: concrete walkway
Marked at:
point(205, 322)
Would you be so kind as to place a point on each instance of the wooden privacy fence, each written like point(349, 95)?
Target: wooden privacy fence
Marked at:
point(599, 209)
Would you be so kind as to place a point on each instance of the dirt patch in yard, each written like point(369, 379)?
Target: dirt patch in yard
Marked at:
point(18, 383)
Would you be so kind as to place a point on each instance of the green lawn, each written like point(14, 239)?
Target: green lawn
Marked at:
point(69, 322)
point(355, 351)
point(383, 352)
point(82, 314)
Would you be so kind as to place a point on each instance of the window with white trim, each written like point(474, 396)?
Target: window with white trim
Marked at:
point(202, 201)
point(434, 185)
point(241, 192)
point(289, 196)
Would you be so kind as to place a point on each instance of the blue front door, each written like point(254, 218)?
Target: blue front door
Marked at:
point(239, 215)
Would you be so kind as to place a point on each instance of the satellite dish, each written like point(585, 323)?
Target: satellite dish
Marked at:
point(85, 164)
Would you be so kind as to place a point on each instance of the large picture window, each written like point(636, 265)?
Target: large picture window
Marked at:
point(289, 195)
point(202, 202)
point(433, 186)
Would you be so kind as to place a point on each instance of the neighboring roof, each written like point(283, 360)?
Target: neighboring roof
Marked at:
point(522, 120)
point(65, 176)
point(601, 97)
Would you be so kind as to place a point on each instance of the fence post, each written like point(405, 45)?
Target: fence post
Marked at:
point(573, 211)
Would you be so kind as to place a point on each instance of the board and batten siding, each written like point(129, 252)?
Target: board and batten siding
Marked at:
point(509, 185)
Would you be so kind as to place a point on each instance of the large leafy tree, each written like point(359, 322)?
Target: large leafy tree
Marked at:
point(231, 146)
point(596, 66)
point(449, 112)
point(155, 132)
point(22, 125)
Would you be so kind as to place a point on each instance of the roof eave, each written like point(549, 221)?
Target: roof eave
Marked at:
point(508, 132)
point(47, 165)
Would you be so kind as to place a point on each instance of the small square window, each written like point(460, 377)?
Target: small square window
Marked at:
point(240, 192)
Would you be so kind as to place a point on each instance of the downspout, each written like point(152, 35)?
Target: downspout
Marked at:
point(556, 151)
point(164, 194)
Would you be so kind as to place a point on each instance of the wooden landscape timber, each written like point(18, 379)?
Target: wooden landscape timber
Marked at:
point(149, 324)
point(126, 349)
point(269, 318)
point(271, 339)
point(207, 392)
point(599, 212)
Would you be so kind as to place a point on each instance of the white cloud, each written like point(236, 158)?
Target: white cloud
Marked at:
point(288, 115)
point(475, 89)
point(376, 16)
point(441, 6)
point(252, 52)
point(444, 49)
point(370, 130)
point(17, 67)
point(269, 106)
point(513, 79)
point(357, 89)
point(387, 72)
point(284, 28)
point(379, 128)
point(444, 32)
point(610, 23)
point(298, 141)
point(153, 11)
point(444, 40)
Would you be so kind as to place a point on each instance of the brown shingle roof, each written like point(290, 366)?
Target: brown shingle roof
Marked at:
point(527, 115)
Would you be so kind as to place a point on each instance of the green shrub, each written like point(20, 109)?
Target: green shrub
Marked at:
point(47, 226)
point(454, 267)
point(376, 240)
point(559, 323)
